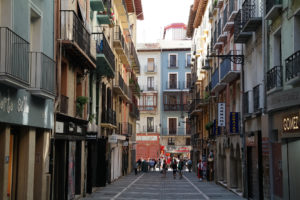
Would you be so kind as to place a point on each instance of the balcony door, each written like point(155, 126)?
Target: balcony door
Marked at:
point(172, 126)
point(188, 80)
point(173, 81)
point(150, 124)
point(150, 83)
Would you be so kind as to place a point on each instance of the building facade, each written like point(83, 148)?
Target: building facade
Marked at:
point(148, 127)
point(175, 83)
point(27, 92)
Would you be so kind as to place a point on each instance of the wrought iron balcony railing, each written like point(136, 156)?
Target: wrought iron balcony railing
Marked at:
point(14, 58)
point(274, 78)
point(176, 131)
point(149, 87)
point(239, 35)
point(103, 47)
point(272, 3)
point(73, 30)
point(292, 66)
point(108, 116)
point(256, 98)
point(175, 107)
point(42, 80)
point(173, 85)
point(125, 128)
point(150, 69)
point(134, 111)
point(215, 78)
point(252, 12)
point(148, 129)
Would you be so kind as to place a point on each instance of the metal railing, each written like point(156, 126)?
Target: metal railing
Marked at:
point(150, 69)
point(175, 131)
point(225, 67)
point(134, 54)
point(219, 28)
point(274, 77)
point(238, 25)
point(225, 15)
point(42, 72)
point(215, 78)
point(231, 6)
point(102, 47)
point(64, 104)
point(195, 103)
point(256, 98)
point(149, 87)
point(271, 3)
point(14, 57)
point(73, 29)
point(124, 128)
point(251, 9)
point(173, 84)
point(123, 85)
point(108, 116)
point(176, 107)
point(292, 66)
point(148, 129)
point(246, 102)
point(118, 35)
point(134, 111)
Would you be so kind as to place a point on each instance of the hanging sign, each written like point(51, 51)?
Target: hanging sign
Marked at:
point(216, 128)
point(234, 122)
point(221, 114)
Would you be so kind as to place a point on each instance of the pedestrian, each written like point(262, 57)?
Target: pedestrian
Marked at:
point(174, 166)
point(189, 163)
point(180, 168)
point(139, 164)
point(164, 168)
point(159, 164)
point(151, 163)
point(136, 167)
point(199, 170)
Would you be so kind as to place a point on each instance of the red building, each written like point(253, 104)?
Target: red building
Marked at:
point(147, 146)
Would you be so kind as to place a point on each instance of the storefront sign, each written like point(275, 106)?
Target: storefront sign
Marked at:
point(112, 139)
point(59, 127)
point(291, 123)
point(216, 128)
point(178, 149)
point(221, 114)
point(21, 108)
point(234, 122)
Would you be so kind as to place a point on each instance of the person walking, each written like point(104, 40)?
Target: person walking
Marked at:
point(159, 164)
point(174, 166)
point(199, 170)
point(189, 164)
point(164, 168)
point(180, 168)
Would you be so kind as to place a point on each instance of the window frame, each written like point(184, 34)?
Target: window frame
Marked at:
point(169, 60)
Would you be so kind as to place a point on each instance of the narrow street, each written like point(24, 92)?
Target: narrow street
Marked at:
point(151, 185)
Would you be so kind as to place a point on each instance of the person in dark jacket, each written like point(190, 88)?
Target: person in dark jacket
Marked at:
point(174, 167)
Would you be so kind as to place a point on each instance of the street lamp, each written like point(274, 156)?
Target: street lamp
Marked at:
point(236, 59)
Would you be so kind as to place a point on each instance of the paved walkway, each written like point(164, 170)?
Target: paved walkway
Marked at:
point(152, 186)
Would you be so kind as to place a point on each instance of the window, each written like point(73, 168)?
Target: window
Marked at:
point(150, 83)
point(188, 80)
point(172, 126)
point(150, 65)
point(150, 124)
point(188, 60)
point(172, 60)
point(188, 141)
point(173, 81)
point(171, 141)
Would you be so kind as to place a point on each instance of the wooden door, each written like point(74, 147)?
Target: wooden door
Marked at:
point(173, 81)
point(172, 126)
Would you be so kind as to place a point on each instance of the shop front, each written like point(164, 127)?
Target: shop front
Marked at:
point(68, 157)
point(26, 122)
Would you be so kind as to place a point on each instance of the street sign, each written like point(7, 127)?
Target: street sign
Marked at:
point(234, 122)
point(221, 114)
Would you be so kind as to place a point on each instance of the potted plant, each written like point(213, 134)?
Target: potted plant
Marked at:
point(80, 102)
point(209, 125)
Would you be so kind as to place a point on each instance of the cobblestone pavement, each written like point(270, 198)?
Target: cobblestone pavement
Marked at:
point(151, 185)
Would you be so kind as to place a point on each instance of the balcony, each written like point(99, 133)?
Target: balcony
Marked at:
point(76, 39)
point(215, 82)
point(148, 103)
point(228, 23)
point(229, 71)
point(273, 9)
point(134, 59)
point(252, 12)
point(150, 69)
point(108, 118)
point(97, 5)
point(172, 85)
point(196, 105)
point(105, 57)
point(175, 107)
point(122, 13)
point(148, 129)
point(121, 46)
point(232, 10)
point(14, 59)
point(134, 111)
point(149, 88)
point(239, 35)
point(64, 104)
point(121, 88)
point(292, 69)
point(274, 79)
point(42, 79)
point(105, 16)
point(175, 131)
point(125, 128)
